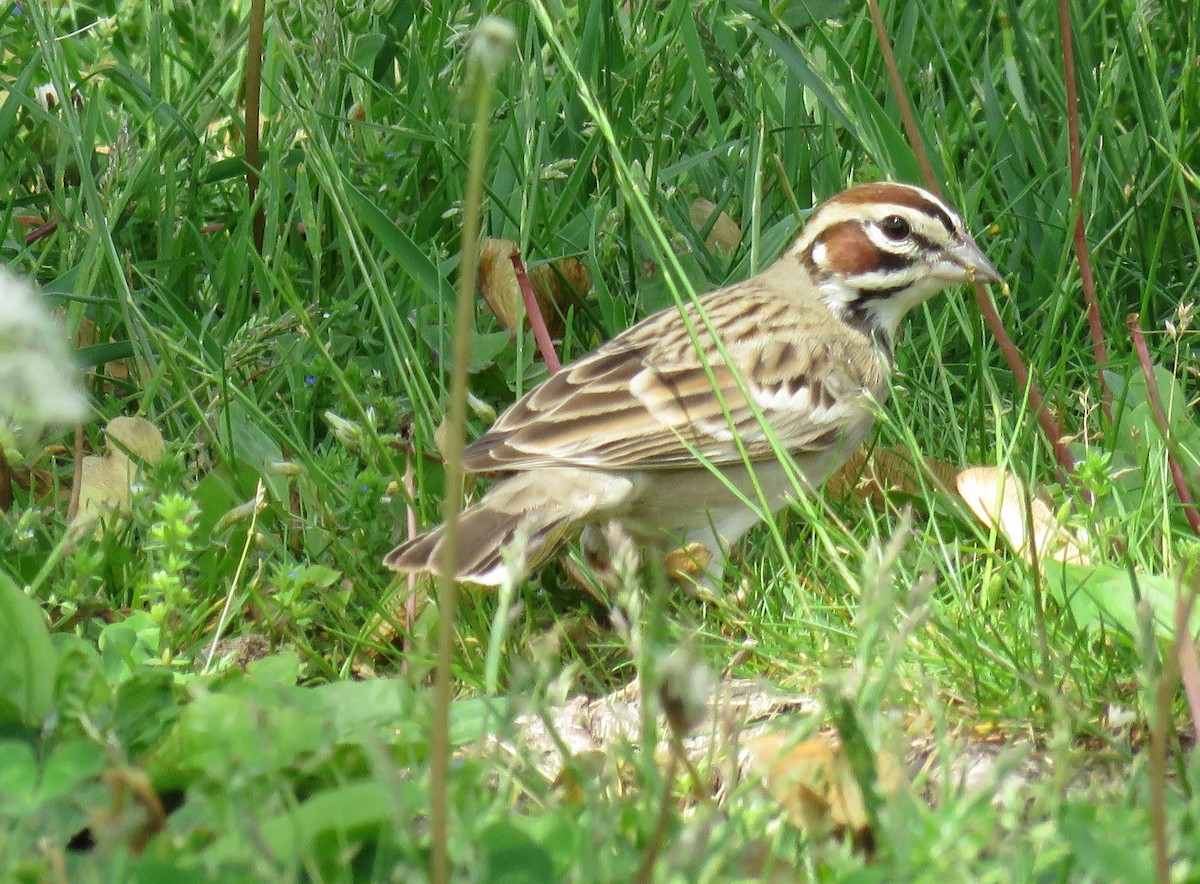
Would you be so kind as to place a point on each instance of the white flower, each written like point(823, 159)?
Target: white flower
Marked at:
point(39, 383)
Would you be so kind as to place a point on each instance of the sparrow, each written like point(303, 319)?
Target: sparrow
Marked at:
point(667, 428)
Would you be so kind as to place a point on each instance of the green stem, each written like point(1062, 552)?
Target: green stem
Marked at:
point(482, 74)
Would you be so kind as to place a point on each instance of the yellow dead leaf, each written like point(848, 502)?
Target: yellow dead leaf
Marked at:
point(724, 235)
point(1000, 500)
point(555, 283)
point(813, 781)
point(107, 479)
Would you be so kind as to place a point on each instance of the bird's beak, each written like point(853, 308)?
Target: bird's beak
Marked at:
point(966, 262)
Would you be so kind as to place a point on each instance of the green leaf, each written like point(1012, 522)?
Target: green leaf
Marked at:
point(18, 777)
point(1137, 423)
point(99, 354)
point(1104, 594)
point(128, 644)
point(1109, 843)
point(805, 72)
point(27, 662)
point(469, 717)
point(251, 728)
point(254, 445)
point(400, 246)
point(513, 857)
point(354, 807)
point(358, 710)
point(70, 765)
point(364, 50)
point(279, 670)
point(486, 347)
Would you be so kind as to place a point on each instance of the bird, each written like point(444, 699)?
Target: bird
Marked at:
point(666, 430)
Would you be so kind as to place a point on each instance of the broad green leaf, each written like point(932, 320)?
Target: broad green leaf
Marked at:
point(357, 710)
point(364, 50)
point(70, 765)
point(512, 856)
point(1109, 842)
point(18, 776)
point(486, 347)
point(1138, 424)
point(1099, 594)
point(128, 644)
point(278, 670)
point(251, 444)
point(400, 246)
point(27, 659)
point(355, 806)
point(249, 729)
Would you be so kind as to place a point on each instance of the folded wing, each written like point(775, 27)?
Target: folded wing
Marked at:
point(645, 402)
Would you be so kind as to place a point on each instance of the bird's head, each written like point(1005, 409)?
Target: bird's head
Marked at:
point(875, 251)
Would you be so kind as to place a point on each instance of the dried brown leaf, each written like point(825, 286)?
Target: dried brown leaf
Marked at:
point(813, 781)
point(554, 284)
point(872, 474)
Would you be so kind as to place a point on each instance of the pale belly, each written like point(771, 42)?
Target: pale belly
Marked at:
point(695, 504)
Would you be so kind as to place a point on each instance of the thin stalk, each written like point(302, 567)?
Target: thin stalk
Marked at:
point(1016, 363)
point(1096, 327)
point(254, 44)
point(536, 321)
point(1160, 419)
point(1185, 645)
point(6, 478)
point(645, 870)
point(1160, 726)
point(487, 46)
point(410, 527)
point(76, 474)
point(906, 114)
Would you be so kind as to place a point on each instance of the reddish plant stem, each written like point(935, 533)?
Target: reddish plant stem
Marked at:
point(1189, 665)
point(254, 59)
point(1050, 428)
point(906, 113)
point(1099, 349)
point(40, 232)
point(6, 477)
point(1016, 364)
point(1160, 418)
point(536, 321)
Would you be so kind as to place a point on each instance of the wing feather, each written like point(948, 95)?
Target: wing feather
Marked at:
point(645, 401)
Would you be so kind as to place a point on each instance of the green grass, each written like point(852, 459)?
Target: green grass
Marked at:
point(609, 122)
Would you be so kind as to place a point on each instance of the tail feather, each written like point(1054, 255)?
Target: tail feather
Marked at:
point(522, 520)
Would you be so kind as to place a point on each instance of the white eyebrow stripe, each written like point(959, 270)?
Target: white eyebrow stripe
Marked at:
point(833, 213)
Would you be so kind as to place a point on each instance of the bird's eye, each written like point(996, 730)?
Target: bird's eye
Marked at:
point(895, 227)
